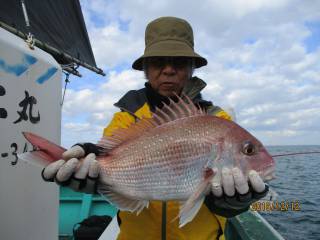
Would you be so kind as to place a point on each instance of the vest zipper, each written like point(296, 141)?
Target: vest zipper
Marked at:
point(164, 221)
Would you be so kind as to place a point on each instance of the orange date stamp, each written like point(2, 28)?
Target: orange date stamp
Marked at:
point(282, 206)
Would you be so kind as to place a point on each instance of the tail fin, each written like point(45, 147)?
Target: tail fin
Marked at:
point(46, 152)
point(38, 158)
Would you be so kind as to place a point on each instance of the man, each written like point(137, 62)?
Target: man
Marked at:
point(168, 63)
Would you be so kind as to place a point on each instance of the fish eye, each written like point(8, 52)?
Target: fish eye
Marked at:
point(248, 148)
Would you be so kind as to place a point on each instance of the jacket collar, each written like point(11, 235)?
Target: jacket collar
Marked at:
point(193, 87)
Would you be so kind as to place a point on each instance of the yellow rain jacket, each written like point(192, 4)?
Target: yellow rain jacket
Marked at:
point(155, 222)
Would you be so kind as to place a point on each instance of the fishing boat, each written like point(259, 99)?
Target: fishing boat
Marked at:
point(75, 207)
point(33, 60)
point(39, 45)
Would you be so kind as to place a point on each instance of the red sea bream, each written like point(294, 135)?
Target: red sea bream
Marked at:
point(172, 156)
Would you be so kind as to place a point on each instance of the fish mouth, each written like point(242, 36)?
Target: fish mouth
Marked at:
point(267, 173)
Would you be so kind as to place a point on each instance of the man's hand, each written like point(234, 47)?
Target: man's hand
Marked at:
point(232, 194)
point(78, 170)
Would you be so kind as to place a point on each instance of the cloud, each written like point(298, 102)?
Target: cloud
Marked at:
point(87, 111)
point(114, 46)
point(261, 63)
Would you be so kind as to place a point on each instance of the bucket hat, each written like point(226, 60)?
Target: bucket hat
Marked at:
point(169, 37)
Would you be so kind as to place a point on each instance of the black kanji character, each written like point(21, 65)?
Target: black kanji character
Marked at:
point(3, 112)
point(28, 100)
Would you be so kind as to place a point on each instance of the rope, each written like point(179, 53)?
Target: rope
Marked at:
point(65, 86)
point(290, 154)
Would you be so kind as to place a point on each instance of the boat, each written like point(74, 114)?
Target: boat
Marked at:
point(75, 207)
point(33, 61)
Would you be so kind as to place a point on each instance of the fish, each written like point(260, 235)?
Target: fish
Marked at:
point(172, 156)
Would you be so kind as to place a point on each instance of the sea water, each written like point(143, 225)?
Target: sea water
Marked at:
point(298, 188)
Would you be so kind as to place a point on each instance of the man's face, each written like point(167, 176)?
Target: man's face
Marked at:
point(168, 75)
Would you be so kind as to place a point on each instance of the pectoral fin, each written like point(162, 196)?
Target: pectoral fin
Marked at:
point(187, 214)
point(190, 208)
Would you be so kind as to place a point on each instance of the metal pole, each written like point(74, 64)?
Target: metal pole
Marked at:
point(72, 71)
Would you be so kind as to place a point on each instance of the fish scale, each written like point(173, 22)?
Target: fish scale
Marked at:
point(178, 155)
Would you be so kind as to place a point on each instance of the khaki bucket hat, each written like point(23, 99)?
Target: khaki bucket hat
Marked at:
point(169, 37)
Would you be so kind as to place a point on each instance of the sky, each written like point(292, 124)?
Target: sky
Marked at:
point(263, 62)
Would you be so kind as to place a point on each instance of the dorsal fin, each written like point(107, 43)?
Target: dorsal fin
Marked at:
point(176, 110)
point(168, 113)
point(121, 135)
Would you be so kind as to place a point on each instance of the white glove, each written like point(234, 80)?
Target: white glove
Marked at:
point(230, 190)
point(232, 180)
point(74, 171)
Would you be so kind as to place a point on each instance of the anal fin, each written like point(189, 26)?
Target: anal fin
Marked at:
point(122, 202)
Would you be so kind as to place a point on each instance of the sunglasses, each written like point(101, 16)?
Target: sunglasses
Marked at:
point(175, 62)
